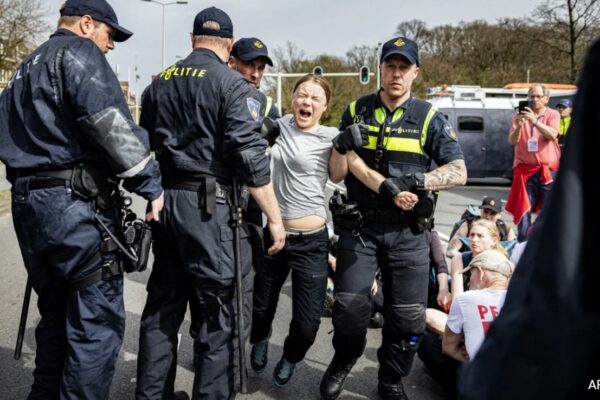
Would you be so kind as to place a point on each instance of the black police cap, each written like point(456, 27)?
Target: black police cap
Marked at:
point(401, 46)
point(99, 10)
point(216, 15)
point(248, 49)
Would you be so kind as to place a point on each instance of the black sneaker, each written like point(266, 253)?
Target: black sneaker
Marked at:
point(259, 355)
point(332, 383)
point(376, 321)
point(283, 372)
point(391, 391)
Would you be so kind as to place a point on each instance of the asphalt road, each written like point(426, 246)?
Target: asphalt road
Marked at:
point(15, 376)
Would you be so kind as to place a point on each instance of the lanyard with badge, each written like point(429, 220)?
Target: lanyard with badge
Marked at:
point(532, 143)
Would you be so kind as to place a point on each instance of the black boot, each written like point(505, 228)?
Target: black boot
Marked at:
point(333, 380)
point(389, 390)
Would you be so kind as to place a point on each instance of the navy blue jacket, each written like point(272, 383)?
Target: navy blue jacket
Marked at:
point(64, 106)
point(204, 119)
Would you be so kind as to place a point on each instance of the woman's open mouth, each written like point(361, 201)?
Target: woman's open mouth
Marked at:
point(305, 113)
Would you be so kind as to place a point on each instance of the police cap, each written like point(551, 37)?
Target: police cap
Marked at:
point(99, 10)
point(248, 49)
point(401, 46)
point(216, 15)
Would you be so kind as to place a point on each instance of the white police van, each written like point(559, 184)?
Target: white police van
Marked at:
point(482, 118)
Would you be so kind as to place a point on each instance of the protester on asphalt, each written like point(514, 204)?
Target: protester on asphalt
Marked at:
point(484, 236)
point(395, 240)
point(472, 312)
point(67, 139)
point(205, 121)
point(302, 160)
point(490, 209)
point(534, 133)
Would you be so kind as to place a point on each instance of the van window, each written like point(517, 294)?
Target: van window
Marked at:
point(470, 124)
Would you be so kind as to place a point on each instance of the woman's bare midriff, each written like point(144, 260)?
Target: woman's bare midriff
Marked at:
point(307, 223)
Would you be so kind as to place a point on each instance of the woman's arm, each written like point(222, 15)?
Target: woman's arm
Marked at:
point(338, 166)
point(369, 177)
point(455, 244)
point(456, 267)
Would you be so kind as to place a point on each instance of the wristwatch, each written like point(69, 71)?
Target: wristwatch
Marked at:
point(420, 179)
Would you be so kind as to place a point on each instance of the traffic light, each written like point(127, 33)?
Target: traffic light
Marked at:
point(318, 71)
point(365, 75)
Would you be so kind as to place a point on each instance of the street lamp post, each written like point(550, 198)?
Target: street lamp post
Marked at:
point(164, 4)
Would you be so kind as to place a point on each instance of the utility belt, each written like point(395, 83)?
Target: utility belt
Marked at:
point(132, 238)
point(212, 192)
point(86, 181)
point(348, 215)
point(372, 216)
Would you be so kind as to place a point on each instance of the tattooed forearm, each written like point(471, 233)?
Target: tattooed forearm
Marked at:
point(447, 176)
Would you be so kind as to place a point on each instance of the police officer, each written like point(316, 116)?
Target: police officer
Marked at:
point(249, 57)
point(66, 136)
point(404, 136)
point(205, 123)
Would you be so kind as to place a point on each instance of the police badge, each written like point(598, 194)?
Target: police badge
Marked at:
point(253, 107)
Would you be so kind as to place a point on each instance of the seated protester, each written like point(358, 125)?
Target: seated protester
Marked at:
point(484, 235)
point(491, 210)
point(472, 312)
point(490, 271)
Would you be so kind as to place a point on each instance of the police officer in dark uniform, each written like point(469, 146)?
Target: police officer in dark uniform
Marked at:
point(249, 57)
point(204, 121)
point(67, 136)
point(404, 136)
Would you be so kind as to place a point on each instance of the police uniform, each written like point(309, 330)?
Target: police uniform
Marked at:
point(401, 141)
point(64, 120)
point(204, 120)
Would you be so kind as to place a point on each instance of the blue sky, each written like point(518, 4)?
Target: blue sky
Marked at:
point(315, 26)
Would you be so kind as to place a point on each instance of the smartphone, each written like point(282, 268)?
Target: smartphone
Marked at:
point(523, 104)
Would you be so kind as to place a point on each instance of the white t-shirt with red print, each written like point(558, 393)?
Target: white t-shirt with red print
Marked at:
point(472, 312)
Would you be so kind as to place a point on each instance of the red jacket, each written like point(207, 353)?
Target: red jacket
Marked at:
point(517, 204)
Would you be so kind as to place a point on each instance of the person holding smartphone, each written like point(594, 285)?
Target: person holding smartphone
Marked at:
point(534, 132)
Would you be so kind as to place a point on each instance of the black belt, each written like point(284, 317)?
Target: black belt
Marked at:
point(387, 217)
point(45, 183)
point(212, 189)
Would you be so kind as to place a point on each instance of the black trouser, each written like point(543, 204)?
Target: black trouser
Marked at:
point(442, 368)
point(80, 331)
point(402, 254)
point(194, 262)
point(306, 257)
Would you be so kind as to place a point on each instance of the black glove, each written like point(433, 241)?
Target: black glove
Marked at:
point(270, 129)
point(390, 188)
point(353, 137)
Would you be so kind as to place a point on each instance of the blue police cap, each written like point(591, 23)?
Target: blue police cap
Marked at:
point(217, 15)
point(99, 10)
point(401, 46)
point(248, 49)
point(565, 103)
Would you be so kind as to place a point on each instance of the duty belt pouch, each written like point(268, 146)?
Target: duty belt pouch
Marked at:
point(345, 213)
point(424, 211)
point(83, 183)
point(138, 236)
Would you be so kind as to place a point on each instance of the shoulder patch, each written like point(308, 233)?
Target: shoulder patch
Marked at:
point(450, 132)
point(253, 107)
